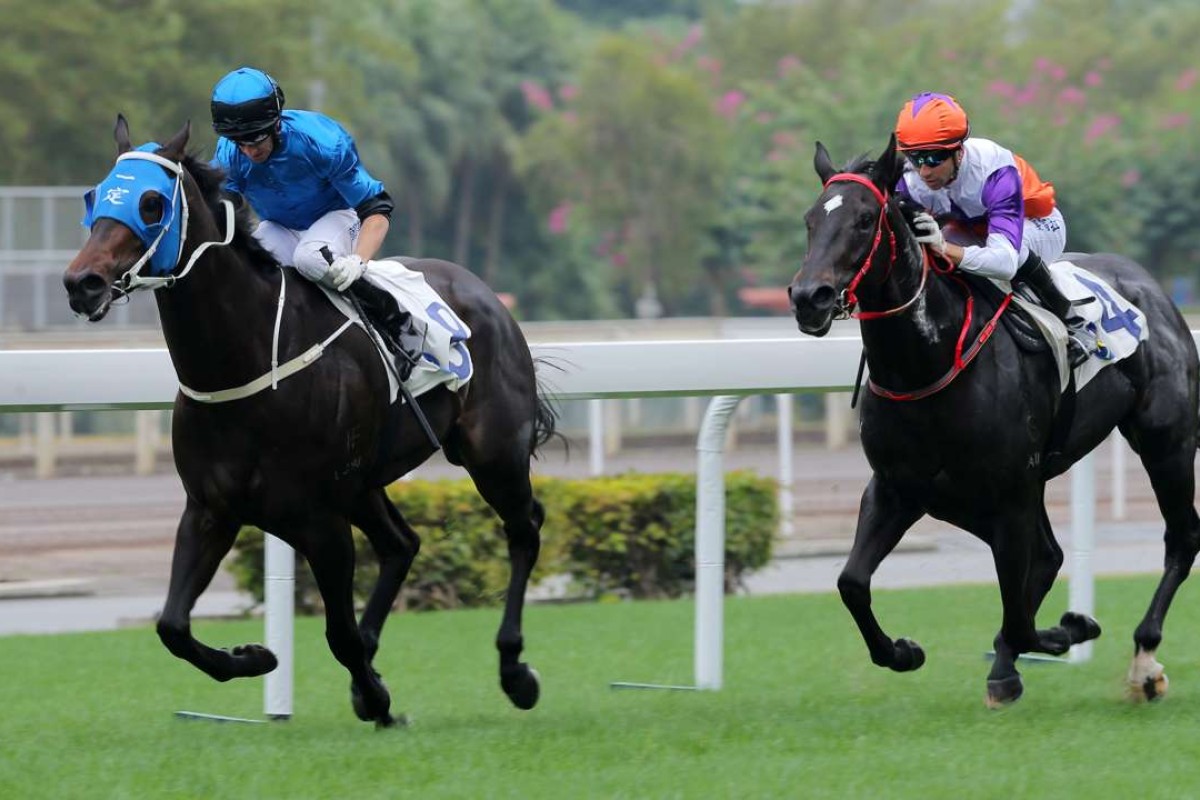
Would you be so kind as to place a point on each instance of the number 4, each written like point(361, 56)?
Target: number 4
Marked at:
point(1113, 318)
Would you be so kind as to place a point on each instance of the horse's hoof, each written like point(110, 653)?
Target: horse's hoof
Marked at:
point(364, 711)
point(1147, 680)
point(522, 685)
point(388, 721)
point(1004, 692)
point(1151, 688)
point(252, 660)
point(907, 656)
point(1081, 627)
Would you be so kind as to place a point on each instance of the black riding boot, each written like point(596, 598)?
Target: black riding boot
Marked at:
point(1036, 274)
point(404, 336)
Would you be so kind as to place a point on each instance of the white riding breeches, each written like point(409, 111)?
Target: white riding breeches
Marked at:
point(337, 230)
point(1046, 236)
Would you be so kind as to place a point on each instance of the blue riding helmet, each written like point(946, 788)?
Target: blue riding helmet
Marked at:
point(245, 102)
point(119, 196)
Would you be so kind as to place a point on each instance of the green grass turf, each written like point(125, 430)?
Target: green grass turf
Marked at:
point(803, 712)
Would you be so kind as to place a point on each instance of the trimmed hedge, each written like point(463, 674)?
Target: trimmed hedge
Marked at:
point(631, 535)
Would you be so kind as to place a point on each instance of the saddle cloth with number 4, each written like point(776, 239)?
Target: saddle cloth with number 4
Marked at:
point(445, 360)
point(1111, 330)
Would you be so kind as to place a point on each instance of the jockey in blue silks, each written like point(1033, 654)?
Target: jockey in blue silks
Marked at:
point(301, 173)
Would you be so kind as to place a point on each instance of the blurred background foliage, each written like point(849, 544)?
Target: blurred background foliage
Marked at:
point(583, 154)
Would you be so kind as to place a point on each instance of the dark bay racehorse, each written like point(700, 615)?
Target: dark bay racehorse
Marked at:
point(311, 458)
point(971, 445)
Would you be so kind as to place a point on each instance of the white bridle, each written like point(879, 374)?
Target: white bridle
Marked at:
point(132, 281)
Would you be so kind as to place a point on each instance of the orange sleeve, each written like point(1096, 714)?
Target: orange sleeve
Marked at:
point(1038, 194)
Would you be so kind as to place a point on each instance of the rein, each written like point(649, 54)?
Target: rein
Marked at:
point(946, 268)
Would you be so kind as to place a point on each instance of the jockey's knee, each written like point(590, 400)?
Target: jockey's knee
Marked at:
point(310, 258)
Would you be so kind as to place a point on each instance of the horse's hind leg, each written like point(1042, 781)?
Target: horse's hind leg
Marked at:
point(201, 541)
point(326, 542)
point(395, 544)
point(504, 484)
point(883, 518)
point(1172, 477)
point(1004, 681)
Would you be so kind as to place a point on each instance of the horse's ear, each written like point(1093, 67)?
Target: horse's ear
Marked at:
point(889, 167)
point(174, 148)
point(121, 134)
point(823, 164)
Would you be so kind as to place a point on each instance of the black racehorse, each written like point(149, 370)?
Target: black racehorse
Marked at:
point(960, 422)
point(308, 459)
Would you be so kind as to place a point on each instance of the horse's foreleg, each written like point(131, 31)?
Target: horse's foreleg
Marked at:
point(326, 542)
point(883, 518)
point(1174, 488)
point(201, 541)
point(396, 545)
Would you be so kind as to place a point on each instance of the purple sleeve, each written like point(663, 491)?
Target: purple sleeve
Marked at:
point(1005, 204)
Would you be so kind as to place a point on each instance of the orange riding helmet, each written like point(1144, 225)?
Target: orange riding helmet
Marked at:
point(931, 121)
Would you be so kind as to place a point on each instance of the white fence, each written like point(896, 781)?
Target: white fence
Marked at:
point(63, 380)
point(59, 380)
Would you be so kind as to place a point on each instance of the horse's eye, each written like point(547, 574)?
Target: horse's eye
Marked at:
point(151, 207)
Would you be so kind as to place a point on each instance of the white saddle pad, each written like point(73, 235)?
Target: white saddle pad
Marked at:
point(1112, 329)
point(445, 360)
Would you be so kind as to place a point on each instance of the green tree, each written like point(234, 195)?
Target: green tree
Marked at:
point(69, 67)
point(642, 153)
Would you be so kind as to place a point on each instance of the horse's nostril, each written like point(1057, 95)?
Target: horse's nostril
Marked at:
point(92, 283)
point(88, 284)
point(823, 297)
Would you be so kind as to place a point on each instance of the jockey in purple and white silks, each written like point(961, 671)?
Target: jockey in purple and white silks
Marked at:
point(301, 173)
point(1001, 220)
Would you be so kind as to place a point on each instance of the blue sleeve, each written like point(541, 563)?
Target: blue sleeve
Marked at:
point(347, 174)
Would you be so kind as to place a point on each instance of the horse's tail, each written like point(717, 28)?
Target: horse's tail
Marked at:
point(545, 420)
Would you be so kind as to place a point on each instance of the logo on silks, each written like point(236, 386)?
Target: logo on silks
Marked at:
point(119, 197)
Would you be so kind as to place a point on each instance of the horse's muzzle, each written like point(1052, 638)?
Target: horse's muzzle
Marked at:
point(813, 309)
point(89, 294)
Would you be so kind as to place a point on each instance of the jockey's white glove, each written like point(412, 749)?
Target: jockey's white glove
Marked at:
point(929, 232)
point(344, 271)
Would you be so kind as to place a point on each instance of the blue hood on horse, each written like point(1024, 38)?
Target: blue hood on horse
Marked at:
point(119, 197)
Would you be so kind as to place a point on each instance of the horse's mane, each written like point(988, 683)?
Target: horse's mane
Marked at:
point(211, 181)
point(861, 164)
point(865, 165)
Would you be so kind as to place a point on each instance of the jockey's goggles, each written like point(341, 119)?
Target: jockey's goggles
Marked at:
point(254, 140)
point(928, 158)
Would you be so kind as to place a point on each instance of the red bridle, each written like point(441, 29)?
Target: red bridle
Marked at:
point(961, 359)
point(851, 299)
